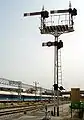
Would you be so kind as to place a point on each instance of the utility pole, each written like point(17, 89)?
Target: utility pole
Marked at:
point(19, 89)
point(35, 88)
point(40, 93)
point(56, 30)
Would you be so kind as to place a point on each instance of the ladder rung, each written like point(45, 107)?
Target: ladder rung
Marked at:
point(60, 78)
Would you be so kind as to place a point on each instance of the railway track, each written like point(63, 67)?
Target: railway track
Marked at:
point(19, 106)
point(19, 110)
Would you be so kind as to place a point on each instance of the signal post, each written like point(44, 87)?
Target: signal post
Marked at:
point(56, 30)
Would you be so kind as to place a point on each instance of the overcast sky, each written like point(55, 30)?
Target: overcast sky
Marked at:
point(22, 56)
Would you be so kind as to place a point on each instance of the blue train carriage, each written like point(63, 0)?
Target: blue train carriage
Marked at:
point(13, 96)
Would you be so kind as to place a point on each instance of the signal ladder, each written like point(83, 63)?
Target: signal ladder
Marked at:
point(60, 78)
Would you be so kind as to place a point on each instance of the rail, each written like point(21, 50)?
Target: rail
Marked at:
point(19, 110)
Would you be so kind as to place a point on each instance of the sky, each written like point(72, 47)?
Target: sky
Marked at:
point(22, 56)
